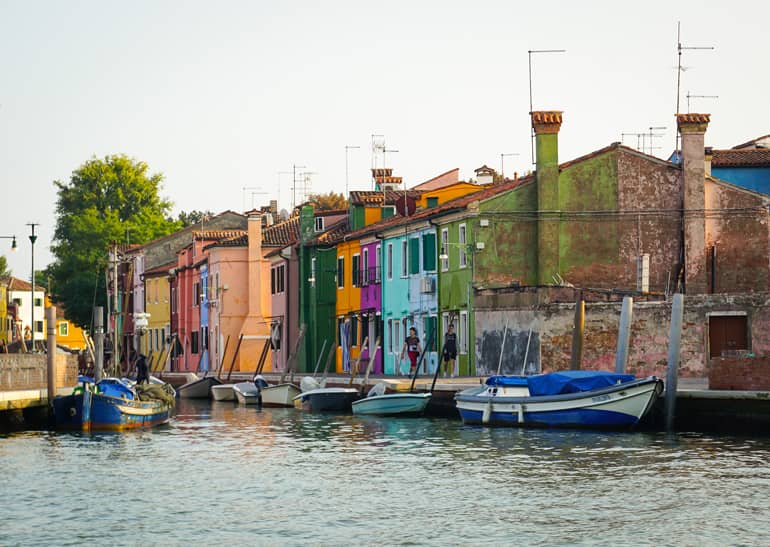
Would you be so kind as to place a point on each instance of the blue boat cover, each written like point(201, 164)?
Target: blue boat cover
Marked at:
point(574, 381)
point(510, 381)
point(115, 388)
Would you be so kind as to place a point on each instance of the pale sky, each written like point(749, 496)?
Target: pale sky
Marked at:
point(222, 96)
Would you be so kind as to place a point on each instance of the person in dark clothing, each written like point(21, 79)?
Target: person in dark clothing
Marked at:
point(450, 351)
point(412, 348)
point(142, 373)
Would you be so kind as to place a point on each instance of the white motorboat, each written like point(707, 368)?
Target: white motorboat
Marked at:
point(328, 398)
point(198, 389)
point(281, 395)
point(379, 403)
point(247, 393)
point(223, 392)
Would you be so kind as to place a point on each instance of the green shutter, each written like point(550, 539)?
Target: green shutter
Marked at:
point(432, 202)
point(429, 252)
point(414, 255)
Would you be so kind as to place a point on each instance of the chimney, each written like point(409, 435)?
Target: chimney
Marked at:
point(692, 127)
point(546, 125)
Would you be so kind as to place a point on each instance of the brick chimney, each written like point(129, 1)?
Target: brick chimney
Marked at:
point(546, 125)
point(692, 127)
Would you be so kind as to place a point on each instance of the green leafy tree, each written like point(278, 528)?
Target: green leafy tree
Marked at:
point(4, 271)
point(193, 217)
point(103, 200)
point(328, 202)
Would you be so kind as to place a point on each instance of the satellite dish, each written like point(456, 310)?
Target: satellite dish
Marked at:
point(405, 206)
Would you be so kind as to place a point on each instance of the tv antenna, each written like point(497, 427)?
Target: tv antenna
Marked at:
point(652, 135)
point(251, 191)
point(690, 96)
point(680, 48)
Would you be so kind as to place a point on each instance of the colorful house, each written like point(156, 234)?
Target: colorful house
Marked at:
point(746, 165)
point(68, 334)
point(155, 341)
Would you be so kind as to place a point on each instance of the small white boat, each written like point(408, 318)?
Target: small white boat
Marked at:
point(281, 395)
point(328, 398)
point(247, 393)
point(223, 392)
point(198, 389)
point(578, 399)
point(378, 403)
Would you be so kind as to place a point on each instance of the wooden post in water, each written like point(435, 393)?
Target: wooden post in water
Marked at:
point(624, 335)
point(98, 343)
point(50, 317)
point(674, 339)
point(576, 358)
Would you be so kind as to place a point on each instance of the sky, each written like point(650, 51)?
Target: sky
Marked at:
point(226, 99)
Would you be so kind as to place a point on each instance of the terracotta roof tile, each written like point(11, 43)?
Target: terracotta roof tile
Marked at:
point(752, 143)
point(692, 118)
point(758, 157)
point(216, 234)
point(281, 234)
point(373, 198)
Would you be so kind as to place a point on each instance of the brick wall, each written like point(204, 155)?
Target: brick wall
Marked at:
point(19, 371)
point(740, 373)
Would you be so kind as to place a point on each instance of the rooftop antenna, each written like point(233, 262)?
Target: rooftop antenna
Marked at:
point(639, 139)
point(307, 183)
point(679, 69)
point(378, 144)
point(532, 129)
point(655, 135)
point(502, 165)
point(252, 191)
point(294, 168)
point(689, 96)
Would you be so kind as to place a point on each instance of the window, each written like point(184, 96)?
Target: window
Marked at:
point(365, 278)
point(404, 258)
point(64, 329)
point(727, 334)
point(356, 270)
point(340, 272)
point(397, 342)
point(157, 342)
point(38, 302)
point(277, 279)
point(414, 255)
point(463, 251)
point(194, 342)
point(432, 202)
point(445, 249)
point(173, 299)
point(17, 301)
point(391, 345)
point(39, 326)
point(429, 252)
point(319, 224)
point(354, 331)
point(377, 264)
point(196, 297)
point(388, 211)
point(390, 261)
point(204, 338)
point(462, 341)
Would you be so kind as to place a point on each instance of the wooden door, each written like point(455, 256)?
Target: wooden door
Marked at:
point(727, 333)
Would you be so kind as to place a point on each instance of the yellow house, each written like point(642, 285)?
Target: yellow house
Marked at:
point(348, 306)
point(6, 323)
point(157, 304)
point(68, 334)
point(446, 187)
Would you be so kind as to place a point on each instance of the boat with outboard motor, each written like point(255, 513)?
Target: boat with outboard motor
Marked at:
point(248, 393)
point(198, 388)
point(576, 399)
point(379, 403)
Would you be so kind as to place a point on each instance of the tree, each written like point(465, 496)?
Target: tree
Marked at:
point(103, 201)
point(328, 202)
point(193, 217)
point(4, 271)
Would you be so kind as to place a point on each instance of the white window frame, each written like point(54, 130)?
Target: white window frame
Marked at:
point(390, 336)
point(377, 272)
point(318, 225)
point(364, 280)
point(340, 273)
point(444, 249)
point(463, 333)
point(462, 241)
point(397, 336)
point(355, 278)
point(64, 328)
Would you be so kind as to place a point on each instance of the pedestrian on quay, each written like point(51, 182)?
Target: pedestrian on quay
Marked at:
point(142, 374)
point(450, 351)
point(412, 348)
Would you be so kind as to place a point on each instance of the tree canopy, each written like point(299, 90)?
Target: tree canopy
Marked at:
point(193, 217)
point(105, 201)
point(4, 271)
point(328, 202)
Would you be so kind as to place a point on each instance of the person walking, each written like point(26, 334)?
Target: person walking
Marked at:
point(450, 351)
point(412, 348)
point(142, 373)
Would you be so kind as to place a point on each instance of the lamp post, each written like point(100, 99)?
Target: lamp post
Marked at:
point(32, 239)
point(13, 243)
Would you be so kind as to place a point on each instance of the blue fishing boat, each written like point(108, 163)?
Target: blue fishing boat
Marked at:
point(579, 399)
point(114, 404)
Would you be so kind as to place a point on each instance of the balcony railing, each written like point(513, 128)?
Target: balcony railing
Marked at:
point(370, 276)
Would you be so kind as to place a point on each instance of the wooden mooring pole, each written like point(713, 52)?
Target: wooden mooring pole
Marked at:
point(576, 359)
point(98, 343)
point(674, 339)
point(624, 335)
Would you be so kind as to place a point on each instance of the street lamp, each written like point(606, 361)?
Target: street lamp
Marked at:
point(32, 239)
point(13, 243)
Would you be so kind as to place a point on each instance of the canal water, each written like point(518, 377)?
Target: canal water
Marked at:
point(224, 474)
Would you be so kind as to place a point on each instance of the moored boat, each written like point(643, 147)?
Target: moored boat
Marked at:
point(223, 392)
point(198, 389)
point(337, 399)
point(379, 403)
point(114, 405)
point(577, 399)
point(281, 395)
point(247, 393)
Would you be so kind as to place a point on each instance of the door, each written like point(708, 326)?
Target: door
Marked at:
point(727, 333)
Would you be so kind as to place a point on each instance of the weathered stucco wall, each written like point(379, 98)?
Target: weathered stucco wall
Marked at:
point(19, 371)
point(550, 315)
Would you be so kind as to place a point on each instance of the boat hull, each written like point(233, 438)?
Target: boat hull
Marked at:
point(223, 392)
point(281, 395)
point(617, 407)
point(247, 393)
point(96, 412)
point(394, 404)
point(198, 389)
point(336, 399)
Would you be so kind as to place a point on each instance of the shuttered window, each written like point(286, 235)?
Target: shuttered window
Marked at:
point(414, 255)
point(429, 252)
